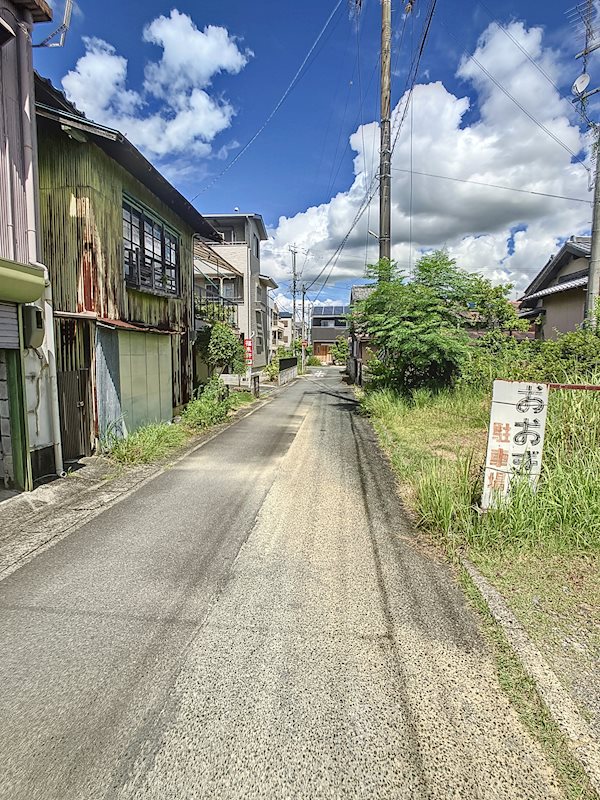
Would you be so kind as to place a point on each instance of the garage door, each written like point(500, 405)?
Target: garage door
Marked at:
point(9, 327)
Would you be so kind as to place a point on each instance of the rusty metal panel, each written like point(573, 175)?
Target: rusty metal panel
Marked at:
point(81, 196)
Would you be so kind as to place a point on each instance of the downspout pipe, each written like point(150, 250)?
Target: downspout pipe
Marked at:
point(26, 85)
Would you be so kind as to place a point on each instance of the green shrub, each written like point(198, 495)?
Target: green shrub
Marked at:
point(313, 361)
point(272, 369)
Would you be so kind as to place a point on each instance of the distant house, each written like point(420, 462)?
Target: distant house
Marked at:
point(327, 323)
point(359, 342)
point(118, 240)
point(288, 335)
point(557, 294)
point(239, 244)
point(277, 328)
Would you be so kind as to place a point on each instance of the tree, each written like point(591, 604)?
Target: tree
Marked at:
point(340, 350)
point(221, 348)
point(418, 327)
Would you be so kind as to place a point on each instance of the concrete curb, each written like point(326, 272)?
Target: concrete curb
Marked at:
point(582, 742)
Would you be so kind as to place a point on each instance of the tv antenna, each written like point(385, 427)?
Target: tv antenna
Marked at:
point(61, 31)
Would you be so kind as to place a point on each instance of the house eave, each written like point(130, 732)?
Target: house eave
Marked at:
point(124, 153)
point(20, 283)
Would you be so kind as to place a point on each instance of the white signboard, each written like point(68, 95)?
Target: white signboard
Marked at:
point(516, 437)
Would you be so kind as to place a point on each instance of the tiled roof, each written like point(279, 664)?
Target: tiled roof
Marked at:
point(561, 287)
point(361, 292)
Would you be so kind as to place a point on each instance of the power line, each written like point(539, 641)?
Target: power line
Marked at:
point(505, 91)
point(493, 185)
point(528, 55)
point(331, 262)
point(281, 101)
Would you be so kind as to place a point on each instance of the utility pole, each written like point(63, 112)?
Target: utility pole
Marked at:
point(385, 153)
point(593, 287)
point(584, 16)
point(303, 329)
point(294, 252)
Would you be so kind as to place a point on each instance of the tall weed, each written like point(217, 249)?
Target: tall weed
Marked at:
point(436, 443)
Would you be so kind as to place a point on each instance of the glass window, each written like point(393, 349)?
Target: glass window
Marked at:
point(150, 252)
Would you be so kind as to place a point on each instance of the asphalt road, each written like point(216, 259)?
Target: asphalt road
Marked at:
point(256, 622)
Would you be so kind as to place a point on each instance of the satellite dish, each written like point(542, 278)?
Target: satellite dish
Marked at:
point(581, 84)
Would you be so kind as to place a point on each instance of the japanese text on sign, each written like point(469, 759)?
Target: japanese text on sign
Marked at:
point(249, 352)
point(516, 437)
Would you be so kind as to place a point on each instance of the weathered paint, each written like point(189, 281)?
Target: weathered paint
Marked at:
point(81, 194)
point(145, 378)
point(110, 413)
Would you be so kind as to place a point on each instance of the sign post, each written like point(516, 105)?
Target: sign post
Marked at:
point(515, 438)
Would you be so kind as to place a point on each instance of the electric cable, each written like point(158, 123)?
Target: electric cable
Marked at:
point(505, 91)
point(494, 186)
point(281, 101)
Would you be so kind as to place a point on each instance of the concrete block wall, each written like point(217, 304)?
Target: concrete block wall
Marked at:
point(6, 462)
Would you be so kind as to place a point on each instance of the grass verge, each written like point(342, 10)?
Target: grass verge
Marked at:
point(542, 551)
point(157, 440)
point(525, 699)
point(148, 444)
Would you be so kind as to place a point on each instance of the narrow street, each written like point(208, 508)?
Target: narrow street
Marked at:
point(256, 622)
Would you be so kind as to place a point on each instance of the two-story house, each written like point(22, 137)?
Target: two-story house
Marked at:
point(327, 323)
point(241, 235)
point(29, 426)
point(556, 297)
point(119, 241)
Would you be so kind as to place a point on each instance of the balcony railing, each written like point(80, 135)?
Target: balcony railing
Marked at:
point(214, 308)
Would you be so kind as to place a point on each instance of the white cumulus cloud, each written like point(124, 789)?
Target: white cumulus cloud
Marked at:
point(175, 113)
point(504, 234)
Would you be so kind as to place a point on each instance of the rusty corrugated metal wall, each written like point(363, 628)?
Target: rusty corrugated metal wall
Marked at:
point(81, 193)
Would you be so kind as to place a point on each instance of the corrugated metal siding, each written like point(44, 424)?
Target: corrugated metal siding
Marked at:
point(9, 327)
point(81, 192)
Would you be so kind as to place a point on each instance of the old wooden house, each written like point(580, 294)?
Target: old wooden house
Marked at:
point(118, 240)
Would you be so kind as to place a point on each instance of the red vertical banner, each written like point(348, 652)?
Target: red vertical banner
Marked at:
point(248, 347)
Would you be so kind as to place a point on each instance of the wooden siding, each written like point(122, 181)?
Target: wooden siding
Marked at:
point(81, 194)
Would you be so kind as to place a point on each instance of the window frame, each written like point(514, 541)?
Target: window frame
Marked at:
point(156, 264)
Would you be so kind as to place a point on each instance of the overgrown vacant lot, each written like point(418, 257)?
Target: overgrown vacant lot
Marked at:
point(543, 549)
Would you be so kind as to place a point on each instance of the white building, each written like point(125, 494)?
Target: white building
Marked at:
point(242, 235)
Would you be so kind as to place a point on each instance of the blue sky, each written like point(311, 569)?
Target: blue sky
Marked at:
point(304, 158)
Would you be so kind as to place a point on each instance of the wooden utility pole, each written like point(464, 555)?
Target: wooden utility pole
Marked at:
point(593, 287)
point(385, 153)
point(294, 252)
point(304, 337)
